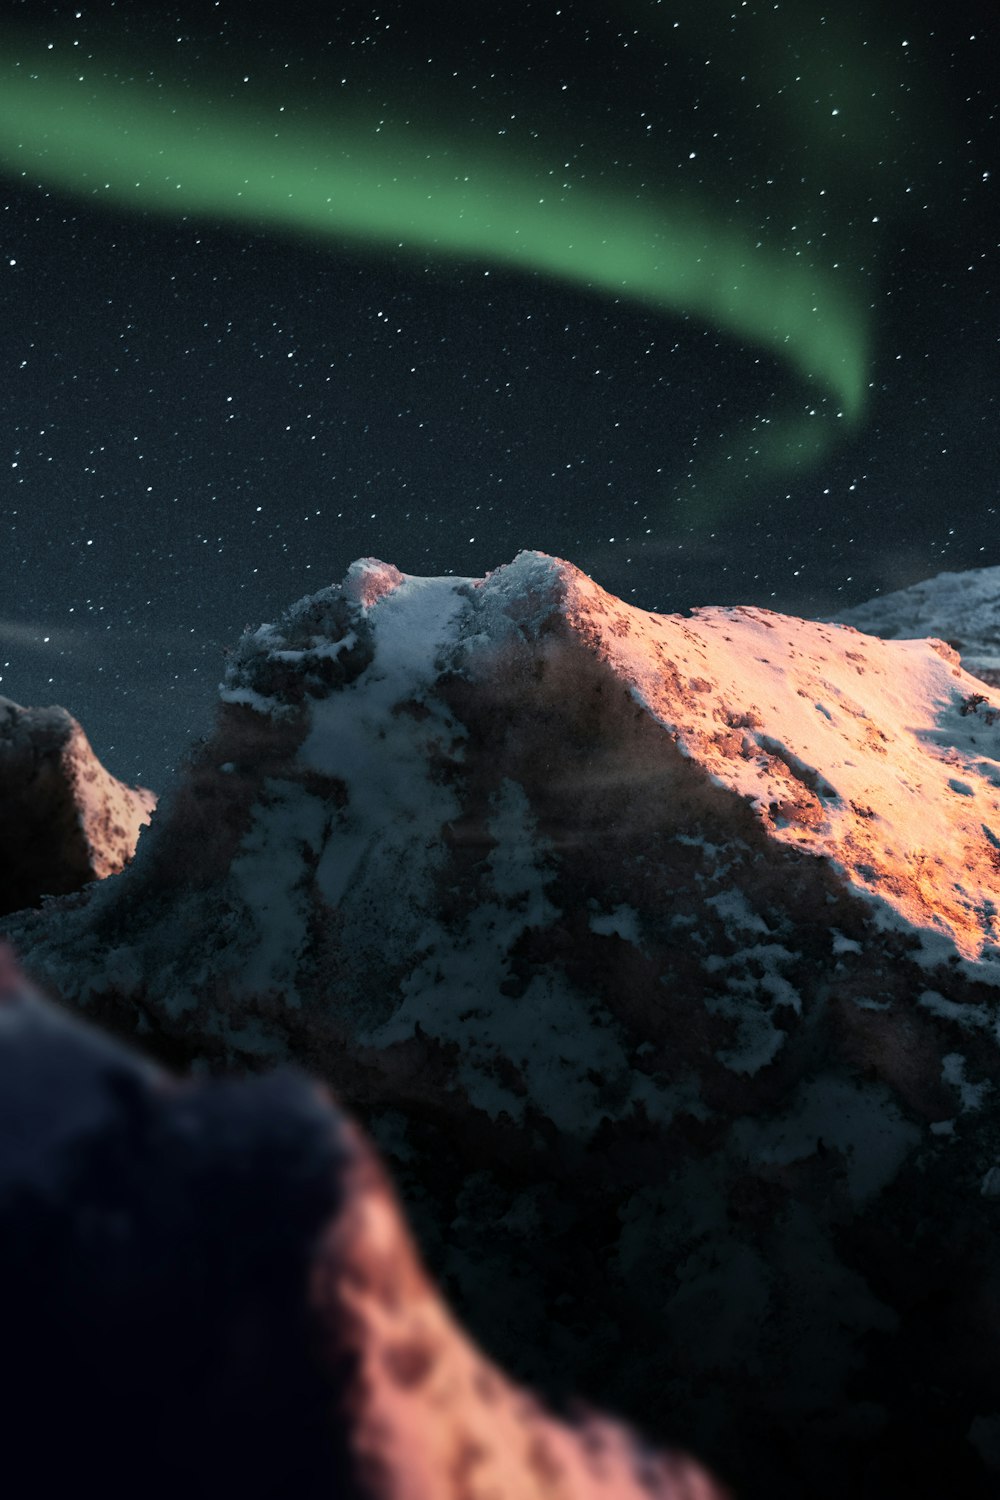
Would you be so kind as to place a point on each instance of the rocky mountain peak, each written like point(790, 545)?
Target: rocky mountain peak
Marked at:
point(64, 820)
point(659, 952)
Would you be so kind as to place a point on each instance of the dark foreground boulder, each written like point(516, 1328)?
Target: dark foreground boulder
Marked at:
point(208, 1289)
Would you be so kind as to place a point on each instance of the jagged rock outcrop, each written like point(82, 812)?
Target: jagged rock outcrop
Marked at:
point(209, 1289)
point(960, 608)
point(64, 820)
point(662, 956)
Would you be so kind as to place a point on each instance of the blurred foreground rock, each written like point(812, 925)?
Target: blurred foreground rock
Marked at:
point(208, 1289)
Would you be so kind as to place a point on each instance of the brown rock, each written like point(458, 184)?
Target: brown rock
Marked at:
point(64, 820)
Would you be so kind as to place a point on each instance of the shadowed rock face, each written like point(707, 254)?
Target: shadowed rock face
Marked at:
point(64, 820)
point(660, 954)
point(210, 1290)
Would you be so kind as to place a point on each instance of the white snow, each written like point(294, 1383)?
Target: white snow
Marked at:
point(455, 995)
point(971, 1095)
point(969, 1017)
point(861, 1121)
point(381, 754)
point(622, 921)
point(869, 781)
point(990, 1186)
point(963, 608)
point(273, 880)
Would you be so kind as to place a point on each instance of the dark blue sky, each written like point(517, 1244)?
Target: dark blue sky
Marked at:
point(203, 423)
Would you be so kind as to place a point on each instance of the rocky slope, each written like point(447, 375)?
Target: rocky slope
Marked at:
point(961, 608)
point(64, 820)
point(211, 1290)
point(660, 953)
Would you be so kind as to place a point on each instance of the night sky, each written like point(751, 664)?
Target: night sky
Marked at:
point(700, 296)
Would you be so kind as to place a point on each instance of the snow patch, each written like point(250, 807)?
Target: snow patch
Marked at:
point(860, 1121)
point(622, 921)
point(272, 874)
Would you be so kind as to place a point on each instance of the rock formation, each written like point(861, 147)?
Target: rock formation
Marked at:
point(661, 954)
point(209, 1290)
point(64, 820)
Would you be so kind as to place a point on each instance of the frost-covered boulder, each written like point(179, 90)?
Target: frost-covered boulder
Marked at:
point(961, 608)
point(64, 820)
point(662, 956)
point(210, 1290)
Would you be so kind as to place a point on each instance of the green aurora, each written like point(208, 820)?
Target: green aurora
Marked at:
point(119, 132)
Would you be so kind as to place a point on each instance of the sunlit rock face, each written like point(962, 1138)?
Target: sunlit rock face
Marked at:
point(961, 608)
point(210, 1290)
point(64, 820)
point(660, 954)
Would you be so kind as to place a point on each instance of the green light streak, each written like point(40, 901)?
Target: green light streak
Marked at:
point(777, 449)
point(150, 147)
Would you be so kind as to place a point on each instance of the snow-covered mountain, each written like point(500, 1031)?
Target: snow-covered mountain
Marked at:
point(961, 608)
point(661, 954)
point(211, 1290)
point(64, 820)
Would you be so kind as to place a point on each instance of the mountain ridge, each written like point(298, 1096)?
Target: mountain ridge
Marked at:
point(658, 953)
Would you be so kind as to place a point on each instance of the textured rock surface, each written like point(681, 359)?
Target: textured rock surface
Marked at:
point(210, 1290)
point(960, 608)
point(660, 953)
point(64, 820)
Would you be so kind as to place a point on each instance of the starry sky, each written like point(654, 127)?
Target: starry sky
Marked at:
point(702, 296)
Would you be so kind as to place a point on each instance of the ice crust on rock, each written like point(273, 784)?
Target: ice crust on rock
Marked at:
point(64, 819)
point(646, 941)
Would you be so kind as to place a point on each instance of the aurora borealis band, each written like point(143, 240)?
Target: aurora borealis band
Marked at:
point(121, 132)
point(698, 294)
